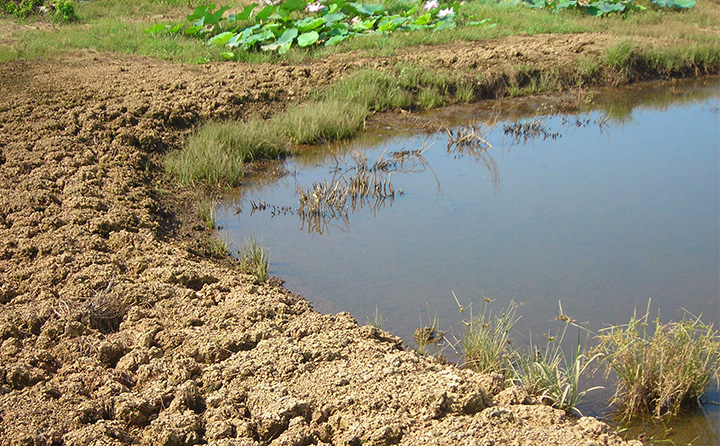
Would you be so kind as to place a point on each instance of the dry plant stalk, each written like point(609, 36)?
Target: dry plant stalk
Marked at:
point(529, 130)
point(472, 141)
point(355, 187)
point(469, 139)
point(104, 311)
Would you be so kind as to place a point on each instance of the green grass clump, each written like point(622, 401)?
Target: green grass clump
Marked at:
point(403, 86)
point(552, 375)
point(315, 122)
point(486, 342)
point(628, 62)
point(548, 374)
point(205, 210)
point(7, 54)
point(218, 246)
point(374, 89)
point(661, 368)
point(217, 152)
point(254, 260)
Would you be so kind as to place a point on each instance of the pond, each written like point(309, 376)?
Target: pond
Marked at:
point(600, 211)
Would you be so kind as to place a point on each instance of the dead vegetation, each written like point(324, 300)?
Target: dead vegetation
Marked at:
point(355, 186)
point(103, 312)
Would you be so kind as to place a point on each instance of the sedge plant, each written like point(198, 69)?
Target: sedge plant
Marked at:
point(486, 343)
point(660, 367)
point(552, 375)
point(254, 260)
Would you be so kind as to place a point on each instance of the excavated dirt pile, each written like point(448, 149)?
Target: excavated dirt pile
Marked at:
point(117, 326)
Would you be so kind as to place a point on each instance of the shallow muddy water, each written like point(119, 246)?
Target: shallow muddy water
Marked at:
point(600, 210)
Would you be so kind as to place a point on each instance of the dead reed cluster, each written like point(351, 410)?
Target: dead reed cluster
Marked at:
point(355, 186)
point(469, 139)
point(529, 130)
point(104, 311)
point(472, 141)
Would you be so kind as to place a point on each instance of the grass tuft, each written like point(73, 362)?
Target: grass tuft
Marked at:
point(552, 375)
point(254, 260)
point(8, 54)
point(375, 90)
point(486, 343)
point(623, 57)
point(219, 245)
point(217, 151)
point(315, 122)
point(205, 210)
point(378, 321)
point(661, 368)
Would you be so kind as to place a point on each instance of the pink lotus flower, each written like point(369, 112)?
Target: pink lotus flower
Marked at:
point(445, 12)
point(314, 7)
point(355, 20)
point(431, 4)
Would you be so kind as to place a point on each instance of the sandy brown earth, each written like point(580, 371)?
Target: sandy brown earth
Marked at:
point(118, 327)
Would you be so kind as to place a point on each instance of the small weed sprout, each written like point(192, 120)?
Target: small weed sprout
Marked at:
point(377, 321)
point(254, 260)
point(661, 368)
point(205, 210)
point(429, 339)
point(219, 246)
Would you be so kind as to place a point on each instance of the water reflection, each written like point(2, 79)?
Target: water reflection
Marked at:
point(355, 185)
point(471, 141)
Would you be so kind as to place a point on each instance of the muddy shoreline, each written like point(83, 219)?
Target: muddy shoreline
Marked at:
point(119, 325)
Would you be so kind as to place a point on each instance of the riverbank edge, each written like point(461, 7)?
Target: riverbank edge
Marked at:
point(121, 324)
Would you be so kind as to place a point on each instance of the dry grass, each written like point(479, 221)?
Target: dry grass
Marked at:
point(661, 368)
point(103, 312)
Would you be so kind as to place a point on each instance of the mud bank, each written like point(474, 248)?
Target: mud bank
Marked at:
point(119, 326)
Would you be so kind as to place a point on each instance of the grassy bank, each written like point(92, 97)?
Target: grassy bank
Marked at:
point(217, 152)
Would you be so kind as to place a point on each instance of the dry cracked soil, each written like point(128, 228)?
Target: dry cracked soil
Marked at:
point(118, 326)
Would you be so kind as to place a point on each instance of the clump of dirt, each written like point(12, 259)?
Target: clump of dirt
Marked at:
point(118, 327)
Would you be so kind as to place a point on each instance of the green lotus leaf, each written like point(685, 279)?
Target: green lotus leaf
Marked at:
point(288, 36)
point(334, 40)
point(309, 24)
point(246, 12)
point(368, 9)
point(307, 39)
point(221, 39)
point(266, 12)
point(293, 5)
